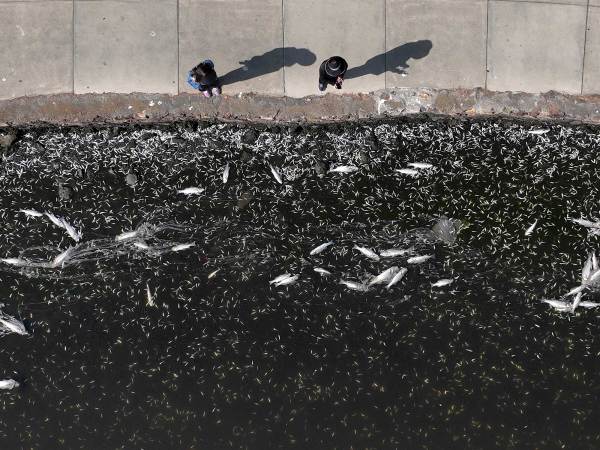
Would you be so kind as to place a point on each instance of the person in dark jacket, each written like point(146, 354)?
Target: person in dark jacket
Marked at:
point(204, 78)
point(332, 71)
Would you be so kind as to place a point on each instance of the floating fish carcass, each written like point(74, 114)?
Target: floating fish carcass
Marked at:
point(367, 252)
point(320, 248)
point(419, 259)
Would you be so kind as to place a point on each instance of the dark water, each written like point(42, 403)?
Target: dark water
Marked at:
point(234, 362)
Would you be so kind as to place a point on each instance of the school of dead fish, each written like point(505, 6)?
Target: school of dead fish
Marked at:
point(360, 254)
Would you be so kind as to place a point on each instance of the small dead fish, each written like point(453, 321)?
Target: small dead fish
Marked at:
point(403, 271)
point(126, 235)
point(322, 271)
point(443, 282)
point(181, 247)
point(384, 276)
point(226, 173)
point(149, 296)
point(343, 169)
point(538, 131)
point(14, 261)
point(60, 259)
point(31, 212)
point(276, 174)
point(71, 231)
point(55, 220)
point(212, 274)
point(393, 252)
point(287, 281)
point(191, 191)
point(9, 384)
point(419, 165)
point(354, 285)
point(320, 248)
point(418, 259)
point(411, 172)
point(280, 278)
point(531, 228)
point(367, 252)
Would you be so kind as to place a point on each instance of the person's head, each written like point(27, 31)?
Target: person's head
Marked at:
point(333, 67)
point(201, 70)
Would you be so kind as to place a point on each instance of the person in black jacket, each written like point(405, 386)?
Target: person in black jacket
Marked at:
point(204, 78)
point(332, 71)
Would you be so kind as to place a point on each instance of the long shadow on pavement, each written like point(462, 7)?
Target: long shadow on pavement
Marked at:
point(394, 60)
point(269, 62)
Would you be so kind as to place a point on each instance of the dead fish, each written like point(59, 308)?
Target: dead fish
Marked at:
point(71, 231)
point(60, 259)
point(320, 248)
point(322, 271)
point(276, 174)
point(594, 261)
point(9, 384)
point(226, 173)
point(141, 245)
point(403, 271)
point(559, 305)
point(14, 261)
point(411, 172)
point(443, 282)
point(287, 281)
point(212, 274)
point(13, 325)
point(418, 259)
point(420, 165)
point(31, 212)
point(576, 290)
point(280, 278)
point(576, 301)
point(367, 252)
point(55, 220)
point(181, 247)
point(586, 223)
point(539, 131)
point(587, 269)
point(343, 169)
point(354, 285)
point(149, 296)
point(126, 235)
point(531, 228)
point(384, 276)
point(191, 191)
point(393, 252)
point(589, 304)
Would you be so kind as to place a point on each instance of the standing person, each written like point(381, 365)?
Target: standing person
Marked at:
point(332, 71)
point(204, 78)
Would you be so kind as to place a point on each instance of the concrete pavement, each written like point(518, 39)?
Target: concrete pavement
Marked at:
point(275, 46)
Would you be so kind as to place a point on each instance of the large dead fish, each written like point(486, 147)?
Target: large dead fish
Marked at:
point(320, 248)
point(367, 252)
point(354, 285)
point(384, 276)
point(399, 275)
point(276, 174)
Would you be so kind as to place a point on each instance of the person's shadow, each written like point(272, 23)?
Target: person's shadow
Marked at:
point(269, 62)
point(394, 60)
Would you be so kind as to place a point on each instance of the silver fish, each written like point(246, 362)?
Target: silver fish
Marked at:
point(149, 296)
point(393, 252)
point(367, 252)
point(418, 259)
point(559, 305)
point(576, 290)
point(354, 285)
point(531, 228)
point(276, 174)
point(191, 191)
point(226, 173)
point(587, 269)
point(60, 259)
point(384, 276)
point(343, 169)
point(411, 172)
point(14, 261)
point(419, 165)
point(320, 248)
point(31, 212)
point(443, 282)
point(9, 384)
point(141, 245)
point(322, 271)
point(13, 325)
point(594, 261)
point(403, 271)
point(181, 247)
point(589, 304)
point(280, 278)
point(576, 301)
point(287, 281)
point(212, 274)
point(126, 235)
point(55, 220)
point(586, 223)
point(538, 131)
point(71, 231)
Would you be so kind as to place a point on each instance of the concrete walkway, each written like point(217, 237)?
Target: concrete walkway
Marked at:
point(275, 46)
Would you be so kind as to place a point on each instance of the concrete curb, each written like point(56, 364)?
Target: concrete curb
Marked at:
point(68, 109)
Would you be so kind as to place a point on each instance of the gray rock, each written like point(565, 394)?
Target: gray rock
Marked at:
point(244, 200)
point(245, 156)
point(6, 140)
point(249, 137)
point(320, 168)
point(64, 192)
point(131, 179)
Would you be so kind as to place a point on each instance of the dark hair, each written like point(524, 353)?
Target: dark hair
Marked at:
point(199, 72)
